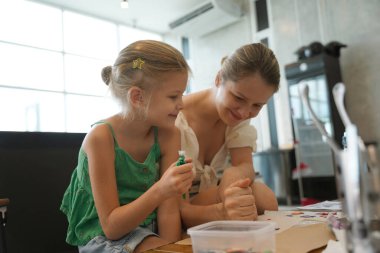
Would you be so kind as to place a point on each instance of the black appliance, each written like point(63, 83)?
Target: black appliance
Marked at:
point(320, 72)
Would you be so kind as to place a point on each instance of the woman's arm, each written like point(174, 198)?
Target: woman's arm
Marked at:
point(236, 197)
point(209, 205)
point(242, 167)
point(238, 205)
point(264, 197)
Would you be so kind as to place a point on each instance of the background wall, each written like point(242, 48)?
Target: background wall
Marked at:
point(207, 51)
point(296, 23)
point(206, 60)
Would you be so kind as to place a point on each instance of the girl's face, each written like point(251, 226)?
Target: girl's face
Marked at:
point(166, 99)
point(241, 100)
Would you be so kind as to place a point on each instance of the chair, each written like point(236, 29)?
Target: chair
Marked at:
point(3, 220)
point(35, 170)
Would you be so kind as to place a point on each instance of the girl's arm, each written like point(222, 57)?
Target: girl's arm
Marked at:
point(169, 219)
point(193, 214)
point(116, 220)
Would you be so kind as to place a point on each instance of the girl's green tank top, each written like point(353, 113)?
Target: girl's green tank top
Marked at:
point(133, 179)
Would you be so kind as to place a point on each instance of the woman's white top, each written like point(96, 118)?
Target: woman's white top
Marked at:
point(241, 135)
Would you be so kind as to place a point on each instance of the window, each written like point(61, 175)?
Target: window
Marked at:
point(31, 24)
point(31, 110)
point(261, 15)
point(267, 118)
point(128, 35)
point(185, 47)
point(89, 36)
point(81, 114)
point(82, 75)
point(28, 67)
point(51, 67)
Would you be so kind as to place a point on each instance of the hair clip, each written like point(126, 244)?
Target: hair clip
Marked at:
point(138, 63)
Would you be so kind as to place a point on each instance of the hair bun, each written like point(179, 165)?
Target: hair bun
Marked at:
point(106, 74)
point(223, 59)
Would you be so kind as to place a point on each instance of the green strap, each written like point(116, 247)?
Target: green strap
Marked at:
point(155, 129)
point(110, 127)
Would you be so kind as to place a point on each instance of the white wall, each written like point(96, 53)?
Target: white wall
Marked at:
point(295, 23)
point(206, 53)
point(356, 23)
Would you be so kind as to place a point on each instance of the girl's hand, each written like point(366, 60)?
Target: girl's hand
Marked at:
point(177, 179)
point(239, 201)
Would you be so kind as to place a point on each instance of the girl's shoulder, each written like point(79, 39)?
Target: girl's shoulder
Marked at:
point(105, 127)
point(101, 134)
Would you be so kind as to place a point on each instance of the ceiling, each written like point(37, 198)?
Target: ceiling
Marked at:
point(151, 15)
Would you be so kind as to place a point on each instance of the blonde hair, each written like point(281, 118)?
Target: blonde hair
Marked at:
point(158, 58)
point(251, 59)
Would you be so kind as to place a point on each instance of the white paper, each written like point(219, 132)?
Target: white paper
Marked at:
point(334, 247)
point(325, 205)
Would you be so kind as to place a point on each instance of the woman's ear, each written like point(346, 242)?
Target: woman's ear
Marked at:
point(218, 79)
point(136, 96)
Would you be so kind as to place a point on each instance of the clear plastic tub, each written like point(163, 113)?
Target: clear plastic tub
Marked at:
point(233, 237)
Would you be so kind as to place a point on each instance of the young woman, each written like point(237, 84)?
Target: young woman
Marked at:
point(216, 134)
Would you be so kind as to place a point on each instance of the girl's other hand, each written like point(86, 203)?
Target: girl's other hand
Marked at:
point(177, 179)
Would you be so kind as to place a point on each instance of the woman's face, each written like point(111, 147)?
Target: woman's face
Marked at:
point(241, 100)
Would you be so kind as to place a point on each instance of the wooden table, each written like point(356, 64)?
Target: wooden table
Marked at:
point(176, 248)
point(306, 239)
point(172, 248)
point(293, 238)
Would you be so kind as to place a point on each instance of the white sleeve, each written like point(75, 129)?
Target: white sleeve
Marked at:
point(242, 135)
point(189, 142)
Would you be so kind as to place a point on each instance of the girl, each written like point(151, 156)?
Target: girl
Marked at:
point(115, 202)
point(215, 125)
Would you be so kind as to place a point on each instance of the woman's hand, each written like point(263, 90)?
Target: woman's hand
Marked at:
point(177, 179)
point(239, 201)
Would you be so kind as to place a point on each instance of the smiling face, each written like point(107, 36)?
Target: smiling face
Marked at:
point(166, 100)
point(243, 99)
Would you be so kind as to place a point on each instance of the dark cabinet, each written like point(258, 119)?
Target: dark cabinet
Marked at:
point(320, 73)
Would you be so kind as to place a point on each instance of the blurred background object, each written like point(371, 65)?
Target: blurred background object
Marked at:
point(316, 48)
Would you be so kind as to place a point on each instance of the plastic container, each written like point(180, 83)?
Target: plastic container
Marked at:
point(233, 237)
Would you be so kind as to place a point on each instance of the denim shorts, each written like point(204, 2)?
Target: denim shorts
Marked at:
point(127, 244)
